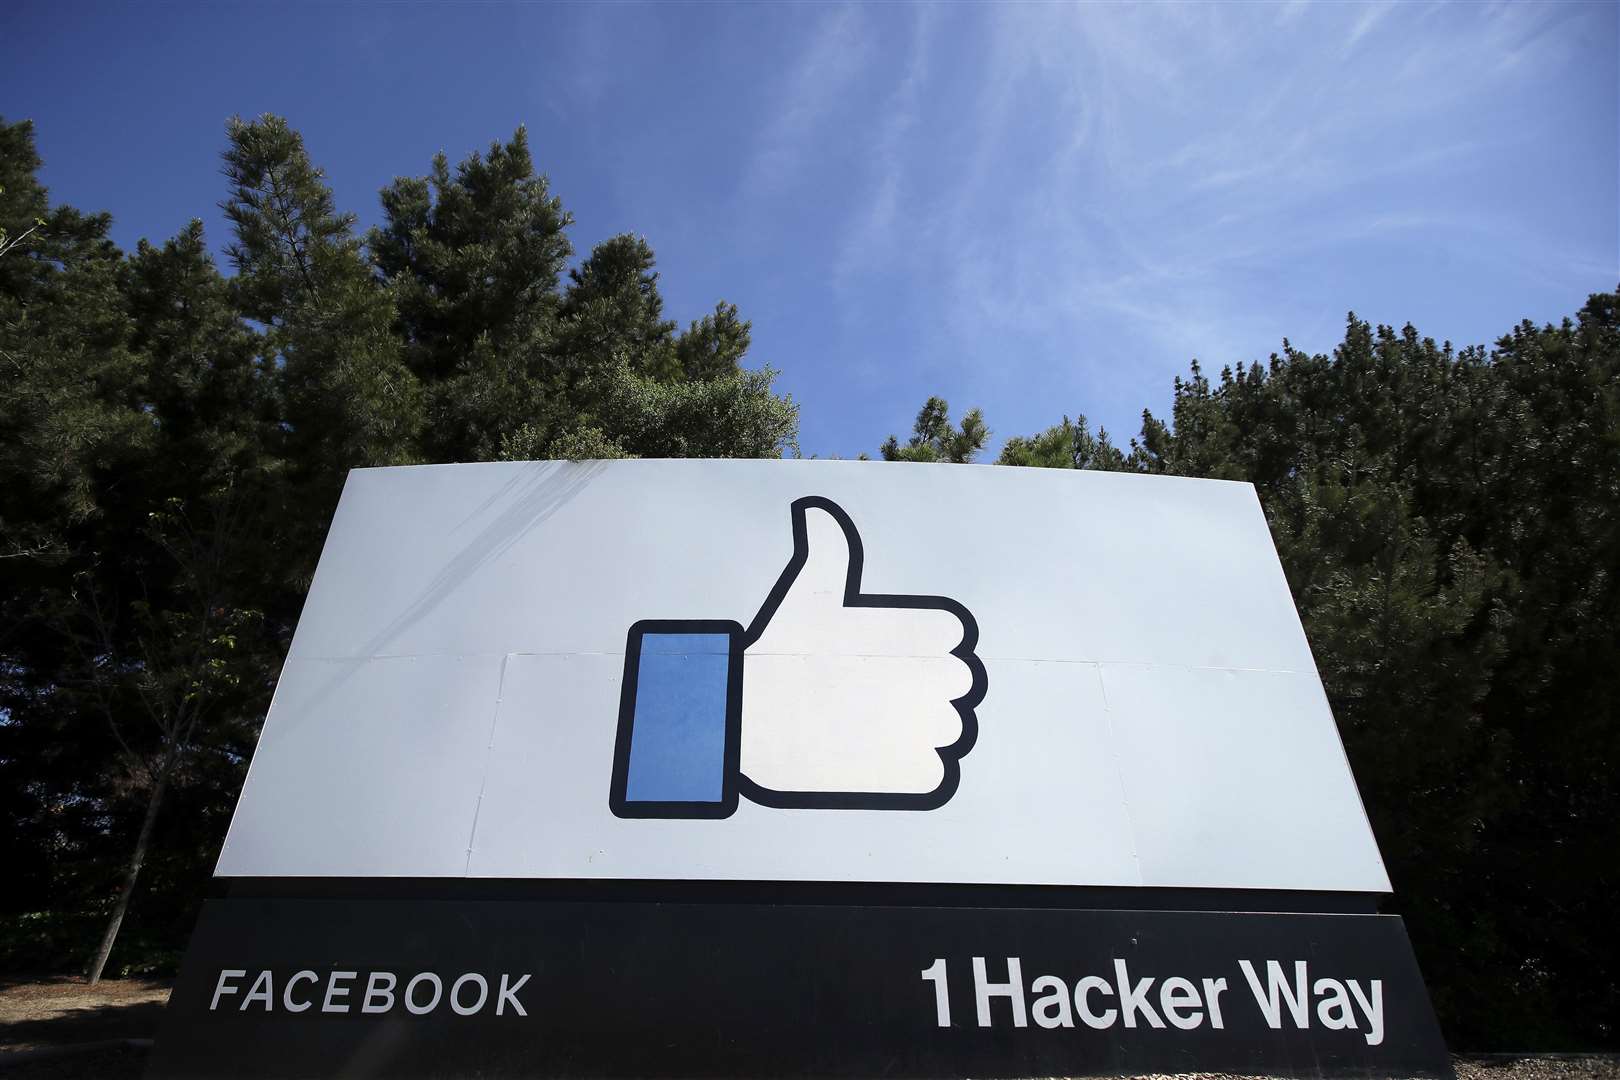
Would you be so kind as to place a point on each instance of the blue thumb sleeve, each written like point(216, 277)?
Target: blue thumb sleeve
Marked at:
point(679, 720)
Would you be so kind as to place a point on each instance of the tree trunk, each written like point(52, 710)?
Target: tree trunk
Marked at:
point(133, 872)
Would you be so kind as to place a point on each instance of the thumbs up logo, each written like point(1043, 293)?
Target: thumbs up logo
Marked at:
point(832, 698)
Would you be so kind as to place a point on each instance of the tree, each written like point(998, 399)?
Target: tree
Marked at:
point(171, 647)
point(612, 309)
point(172, 443)
point(1066, 446)
point(70, 379)
point(475, 259)
point(629, 385)
point(132, 412)
point(714, 345)
point(1445, 519)
point(515, 364)
point(733, 415)
point(934, 439)
point(346, 395)
point(70, 421)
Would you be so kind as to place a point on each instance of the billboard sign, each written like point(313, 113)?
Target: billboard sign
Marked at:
point(984, 722)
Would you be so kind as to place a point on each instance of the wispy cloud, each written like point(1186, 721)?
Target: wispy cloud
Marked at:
point(835, 53)
point(1240, 159)
point(1145, 170)
point(595, 34)
point(869, 232)
point(1371, 14)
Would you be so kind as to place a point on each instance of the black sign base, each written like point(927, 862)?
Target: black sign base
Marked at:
point(543, 987)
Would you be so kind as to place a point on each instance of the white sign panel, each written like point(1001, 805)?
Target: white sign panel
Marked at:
point(791, 670)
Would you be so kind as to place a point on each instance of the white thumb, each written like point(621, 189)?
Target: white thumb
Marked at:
point(831, 548)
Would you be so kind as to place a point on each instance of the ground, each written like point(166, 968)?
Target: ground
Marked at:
point(60, 1010)
point(39, 1016)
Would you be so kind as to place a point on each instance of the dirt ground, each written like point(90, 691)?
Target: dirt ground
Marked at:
point(60, 1010)
point(1534, 1068)
point(40, 1014)
point(1486, 1067)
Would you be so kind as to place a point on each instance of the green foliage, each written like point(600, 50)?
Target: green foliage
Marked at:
point(713, 345)
point(518, 365)
point(933, 438)
point(612, 310)
point(1446, 520)
point(1413, 491)
point(474, 259)
point(1069, 445)
point(346, 395)
point(67, 374)
point(23, 213)
point(172, 443)
point(35, 941)
point(729, 416)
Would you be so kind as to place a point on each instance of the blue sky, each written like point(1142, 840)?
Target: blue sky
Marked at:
point(1035, 209)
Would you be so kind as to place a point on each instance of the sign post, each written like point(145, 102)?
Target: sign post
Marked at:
point(797, 768)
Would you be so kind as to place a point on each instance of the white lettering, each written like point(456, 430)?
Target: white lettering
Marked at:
point(1176, 994)
point(1373, 1008)
point(1277, 987)
point(335, 990)
point(221, 988)
point(1082, 1001)
point(1334, 1008)
point(1059, 997)
point(287, 991)
point(261, 990)
point(455, 994)
point(1133, 998)
point(1213, 989)
point(1012, 989)
point(511, 995)
point(938, 974)
point(410, 995)
point(374, 991)
point(340, 992)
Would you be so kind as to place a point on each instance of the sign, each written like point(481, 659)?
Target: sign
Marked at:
point(605, 989)
point(656, 676)
point(855, 700)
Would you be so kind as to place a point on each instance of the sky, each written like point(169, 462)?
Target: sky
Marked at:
point(1040, 210)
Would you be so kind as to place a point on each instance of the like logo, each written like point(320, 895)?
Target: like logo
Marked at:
point(832, 698)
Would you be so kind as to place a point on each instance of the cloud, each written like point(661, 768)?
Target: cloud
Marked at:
point(1371, 15)
point(1182, 150)
point(1148, 175)
point(836, 52)
point(868, 234)
point(581, 77)
point(1041, 207)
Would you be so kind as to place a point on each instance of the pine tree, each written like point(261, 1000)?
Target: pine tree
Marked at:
point(1445, 519)
point(174, 642)
point(612, 308)
point(1069, 445)
point(70, 426)
point(713, 346)
point(475, 259)
point(933, 438)
point(516, 365)
point(172, 443)
point(346, 395)
point(70, 379)
point(133, 427)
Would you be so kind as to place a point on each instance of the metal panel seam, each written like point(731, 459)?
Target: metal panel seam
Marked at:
point(1092, 661)
point(489, 753)
point(1119, 775)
